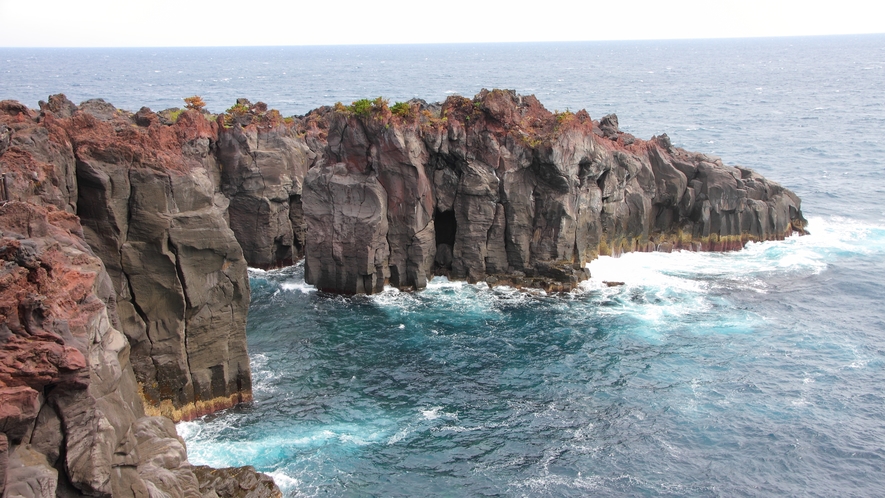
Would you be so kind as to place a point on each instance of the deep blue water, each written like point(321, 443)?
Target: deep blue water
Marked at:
point(753, 373)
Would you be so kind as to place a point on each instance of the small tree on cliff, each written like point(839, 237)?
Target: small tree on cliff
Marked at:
point(196, 103)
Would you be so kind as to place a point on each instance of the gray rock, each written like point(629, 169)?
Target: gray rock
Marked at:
point(5, 138)
point(347, 249)
point(101, 110)
point(235, 482)
point(4, 460)
point(29, 475)
point(262, 174)
point(59, 105)
point(180, 279)
point(528, 191)
point(609, 126)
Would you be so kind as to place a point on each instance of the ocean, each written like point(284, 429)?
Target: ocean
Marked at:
point(750, 373)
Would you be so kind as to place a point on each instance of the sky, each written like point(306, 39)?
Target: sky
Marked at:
point(156, 23)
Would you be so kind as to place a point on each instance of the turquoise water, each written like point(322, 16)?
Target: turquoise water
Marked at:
point(705, 374)
point(753, 373)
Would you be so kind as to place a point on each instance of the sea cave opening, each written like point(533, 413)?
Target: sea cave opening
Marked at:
point(446, 227)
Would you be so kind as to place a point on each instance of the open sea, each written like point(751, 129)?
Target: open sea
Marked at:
point(751, 373)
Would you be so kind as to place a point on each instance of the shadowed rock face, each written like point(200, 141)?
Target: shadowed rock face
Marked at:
point(71, 420)
point(499, 189)
point(149, 203)
point(262, 173)
point(494, 189)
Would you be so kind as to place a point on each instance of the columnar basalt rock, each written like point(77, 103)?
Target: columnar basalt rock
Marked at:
point(149, 200)
point(71, 420)
point(125, 240)
point(509, 192)
point(262, 172)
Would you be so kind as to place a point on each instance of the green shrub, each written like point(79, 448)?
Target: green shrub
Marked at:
point(361, 107)
point(365, 107)
point(238, 109)
point(401, 109)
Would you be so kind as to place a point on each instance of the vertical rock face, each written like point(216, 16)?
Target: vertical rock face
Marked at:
point(502, 190)
point(124, 240)
point(262, 173)
point(149, 202)
point(71, 420)
point(369, 209)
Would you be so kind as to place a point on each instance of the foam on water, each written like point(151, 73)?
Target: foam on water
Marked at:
point(751, 268)
point(756, 373)
point(439, 384)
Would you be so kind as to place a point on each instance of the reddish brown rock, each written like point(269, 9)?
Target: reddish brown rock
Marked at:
point(71, 419)
point(176, 203)
point(149, 198)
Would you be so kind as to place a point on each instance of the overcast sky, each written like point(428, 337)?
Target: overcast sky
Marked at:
point(119, 23)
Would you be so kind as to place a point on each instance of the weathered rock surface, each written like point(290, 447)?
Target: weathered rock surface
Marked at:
point(71, 420)
point(496, 188)
point(125, 240)
point(148, 197)
point(239, 482)
point(262, 173)
point(499, 189)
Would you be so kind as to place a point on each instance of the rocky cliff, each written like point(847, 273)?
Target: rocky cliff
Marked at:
point(126, 239)
point(147, 196)
point(494, 189)
point(71, 419)
point(499, 189)
point(170, 276)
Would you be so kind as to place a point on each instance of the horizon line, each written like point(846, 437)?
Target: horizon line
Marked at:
point(396, 44)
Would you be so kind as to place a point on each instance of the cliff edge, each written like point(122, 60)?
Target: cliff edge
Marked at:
point(126, 239)
point(71, 420)
point(495, 189)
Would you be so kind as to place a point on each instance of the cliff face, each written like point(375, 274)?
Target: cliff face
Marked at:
point(262, 173)
point(496, 188)
point(71, 419)
point(125, 240)
point(499, 189)
point(147, 197)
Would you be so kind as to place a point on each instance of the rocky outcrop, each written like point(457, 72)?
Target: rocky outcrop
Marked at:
point(125, 240)
point(499, 189)
point(149, 201)
point(262, 172)
point(496, 188)
point(71, 420)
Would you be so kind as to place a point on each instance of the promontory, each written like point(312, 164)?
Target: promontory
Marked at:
point(125, 240)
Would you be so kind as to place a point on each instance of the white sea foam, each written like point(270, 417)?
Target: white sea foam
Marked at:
point(661, 290)
point(264, 378)
point(213, 447)
point(297, 285)
point(748, 268)
point(287, 484)
point(189, 430)
point(433, 413)
point(399, 436)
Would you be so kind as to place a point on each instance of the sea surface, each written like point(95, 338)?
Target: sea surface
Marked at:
point(750, 373)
